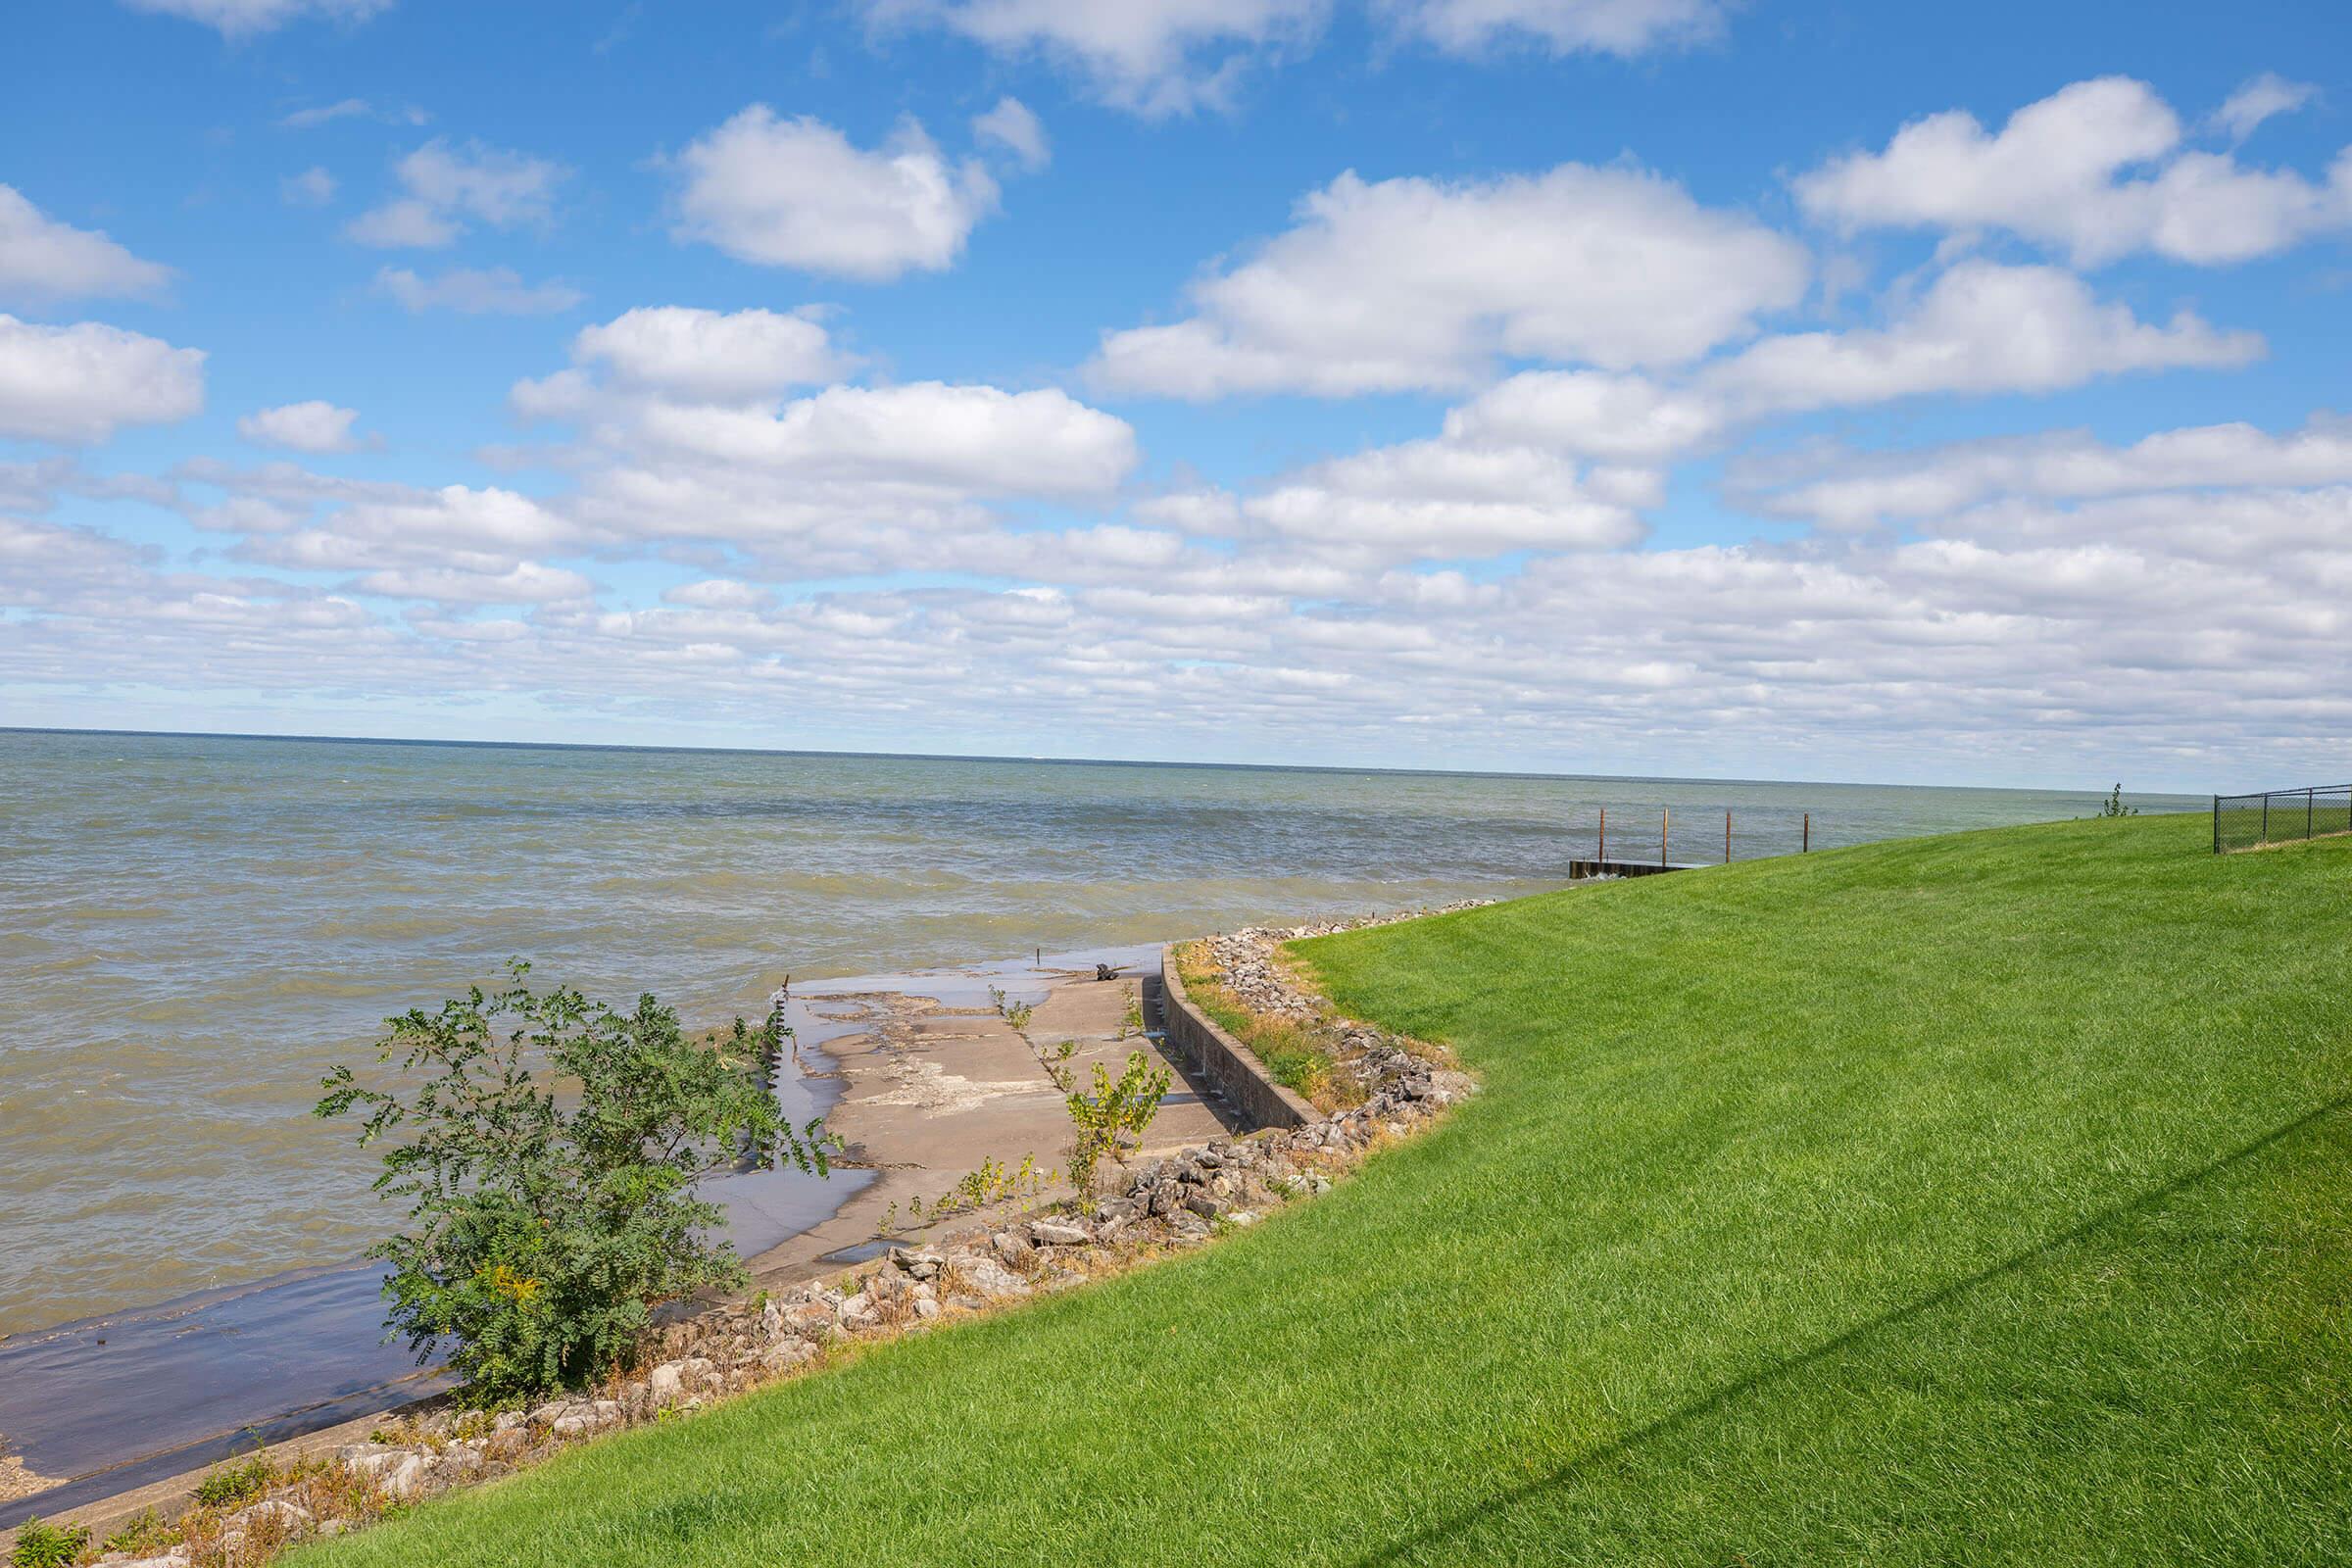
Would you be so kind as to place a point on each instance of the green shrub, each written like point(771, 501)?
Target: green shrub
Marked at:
point(40, 1545)
point(552, 1147)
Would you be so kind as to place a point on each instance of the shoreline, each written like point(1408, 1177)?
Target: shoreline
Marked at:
point(865, 1045)
point(1198, 1175)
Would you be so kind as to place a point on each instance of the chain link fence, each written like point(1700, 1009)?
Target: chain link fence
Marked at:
point(2281, 816)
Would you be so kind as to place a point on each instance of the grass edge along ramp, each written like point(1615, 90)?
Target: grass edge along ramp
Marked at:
point(1978, 1198)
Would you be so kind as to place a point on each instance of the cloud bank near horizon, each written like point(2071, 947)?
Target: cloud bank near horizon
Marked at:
point(739, 523)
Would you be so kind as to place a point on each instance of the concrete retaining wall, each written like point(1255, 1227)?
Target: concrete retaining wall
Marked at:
point(1224, 1060)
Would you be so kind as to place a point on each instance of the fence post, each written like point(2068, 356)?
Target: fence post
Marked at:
point(1604, 833)
point(1808, 840)
point(2306, 800)
point(1727, 837)
point(2217, 824)
point(2266, 821)
point(1665, 826)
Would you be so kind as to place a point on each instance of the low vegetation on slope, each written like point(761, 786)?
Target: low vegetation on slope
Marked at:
point(1971, 1199)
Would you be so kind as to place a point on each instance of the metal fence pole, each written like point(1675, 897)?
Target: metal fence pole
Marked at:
point(2307, 797)
point(1665, 826)
point(2266, 821)
point(2217, 824)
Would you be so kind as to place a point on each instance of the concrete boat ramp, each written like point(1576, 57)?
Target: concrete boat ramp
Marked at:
point(934, 1081)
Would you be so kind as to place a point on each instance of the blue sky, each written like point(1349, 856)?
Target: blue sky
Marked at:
point(1593, 385)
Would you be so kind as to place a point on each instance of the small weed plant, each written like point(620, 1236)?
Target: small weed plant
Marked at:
point(1016, 1014)
point(233, 1485)
point(40, 1545)
point(143, 1535)
point(2114, 805)
point(1117, 1113)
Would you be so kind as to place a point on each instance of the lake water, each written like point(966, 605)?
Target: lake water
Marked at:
point(194, 929)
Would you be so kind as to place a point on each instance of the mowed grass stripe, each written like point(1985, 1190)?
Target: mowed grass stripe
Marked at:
point(1952, 1200)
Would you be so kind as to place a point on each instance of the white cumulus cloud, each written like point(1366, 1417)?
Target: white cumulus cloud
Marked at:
point(1443, 500)
point(972, 438)
point(798, 193)
point(700, 354)
point(2263, 98)
point(1417, 283)
point(314, 426)
point(1848, 489)
point(43, 259)
point(1979, 329)
point(1622, 417)
point(1012, 125)
point(1154, 57)
point(446, 183)
point(80, 383)
point(2065, 171)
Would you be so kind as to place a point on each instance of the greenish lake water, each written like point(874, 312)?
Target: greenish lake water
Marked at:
point(198, 927)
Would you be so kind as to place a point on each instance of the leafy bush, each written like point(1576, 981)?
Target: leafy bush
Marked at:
point(40, 1545)
point(1119, 1111)
point(551, 1152)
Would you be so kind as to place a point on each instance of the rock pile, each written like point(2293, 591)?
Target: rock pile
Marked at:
point(1247, 964)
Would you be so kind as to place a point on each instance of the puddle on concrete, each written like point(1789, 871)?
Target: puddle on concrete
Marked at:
point(858, 1252)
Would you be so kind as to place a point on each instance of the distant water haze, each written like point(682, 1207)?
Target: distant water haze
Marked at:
point(197, 928)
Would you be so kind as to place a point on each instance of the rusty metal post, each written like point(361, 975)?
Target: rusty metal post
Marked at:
point(1604, 834)
point(1808, 839)
point(1665, 824)
point(1727, 837)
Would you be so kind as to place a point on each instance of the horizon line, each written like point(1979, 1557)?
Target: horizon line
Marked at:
point(1053, 761)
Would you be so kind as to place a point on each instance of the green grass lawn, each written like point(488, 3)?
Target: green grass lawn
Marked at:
point(1971, 1200)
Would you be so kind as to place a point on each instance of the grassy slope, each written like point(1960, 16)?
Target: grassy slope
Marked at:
point(1971, 1200)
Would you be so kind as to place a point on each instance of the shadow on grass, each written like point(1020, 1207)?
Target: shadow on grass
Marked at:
point(1487, 1511)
